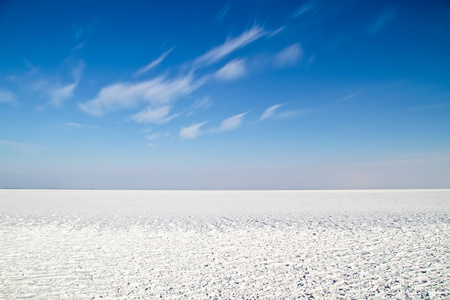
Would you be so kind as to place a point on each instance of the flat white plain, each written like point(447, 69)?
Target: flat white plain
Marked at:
point(67, 244)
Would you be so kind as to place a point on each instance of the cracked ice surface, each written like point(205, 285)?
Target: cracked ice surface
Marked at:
point(227, 245)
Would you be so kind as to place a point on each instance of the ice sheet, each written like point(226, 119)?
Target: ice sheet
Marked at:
point(217, 244)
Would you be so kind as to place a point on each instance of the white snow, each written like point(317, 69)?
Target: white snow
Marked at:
point(67, 244)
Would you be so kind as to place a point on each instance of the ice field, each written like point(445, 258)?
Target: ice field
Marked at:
point(376, 244)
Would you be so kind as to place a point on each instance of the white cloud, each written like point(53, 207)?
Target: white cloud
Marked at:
point(154, 115)
point(276, 32)
point(77, 71)
point(232, 122)
point(307, 6)
point(59, 95)
point(150, 145)
point(154, 136)
point(154, 63)
point(52, 89)
point(201, 104)
point(348, 97)
point(230, 45)
point(79, 46)
point(7, 96)
point(223, 11)
point(157, 91)
point(289, 56)
point(79, 126)
point(289, 114)
point(191, 132)
point(232, 70)
point(270, 111)
point(228, 124)
point(77, 32)
point(273, 113)
point(19, 146)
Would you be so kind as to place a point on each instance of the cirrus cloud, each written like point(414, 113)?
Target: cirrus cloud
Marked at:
point(154, 115)
point(16, 146)
point(154, 63)
point(270, 111)
point(230, 45)
point(191, 132)
point(232, 122)
point(79, 125)
point(232, 70)
point(157, 91)
point(7, 96)
point(273, 113)
point(289, 56)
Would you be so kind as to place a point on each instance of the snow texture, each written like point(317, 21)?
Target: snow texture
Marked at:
point(58, 244)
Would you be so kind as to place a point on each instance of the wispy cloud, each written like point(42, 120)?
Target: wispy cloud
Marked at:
point(222, 12)
point(78, 32)
point(32, 69)
point(270, 111)
point(200, 104)
point(77, 71)
point(52, 89)
point(230, 45)
point(78, 46)
point(79, 125)
point(15, 146)
point(276, 32)
point(383, 21)
point(158, 91)
point(232, 70)
point(7, 96)
point(273, 113)
point(232, 123)
point(348, 97)
point(80, 36)
point(154, 136)
point(154, 63)
point(159, 115)
point(289, 56)
point(306, 7)
point(191, 132)
point(228, 124)
point(60, 94)
point(289, 114)
point(159, 94)
point(162, 90)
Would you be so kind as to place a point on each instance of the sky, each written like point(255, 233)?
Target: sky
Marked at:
point(244, 94)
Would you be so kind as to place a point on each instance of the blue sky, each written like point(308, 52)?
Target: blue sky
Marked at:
point(225, 94)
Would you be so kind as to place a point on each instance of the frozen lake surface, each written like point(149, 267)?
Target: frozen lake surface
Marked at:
point(377, 244)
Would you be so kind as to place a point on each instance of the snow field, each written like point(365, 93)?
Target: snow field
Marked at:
point(292, 253)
